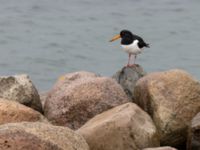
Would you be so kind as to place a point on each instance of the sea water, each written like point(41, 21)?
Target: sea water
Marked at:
point(48, 38)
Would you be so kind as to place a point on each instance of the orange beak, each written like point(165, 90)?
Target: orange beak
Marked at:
point(115, 38)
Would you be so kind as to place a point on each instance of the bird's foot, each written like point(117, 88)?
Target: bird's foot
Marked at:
point(132, 65)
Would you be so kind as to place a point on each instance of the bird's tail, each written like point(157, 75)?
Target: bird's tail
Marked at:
point(147, 45)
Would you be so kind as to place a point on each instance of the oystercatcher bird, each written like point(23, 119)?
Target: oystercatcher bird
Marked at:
point(131, 43)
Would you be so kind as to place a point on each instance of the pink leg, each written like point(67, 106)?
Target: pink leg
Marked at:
point(129, 58)
point(134, 59)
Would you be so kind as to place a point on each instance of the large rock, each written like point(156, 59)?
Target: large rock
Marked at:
point(127, 78)
point(193, 142)
point(161, 148)
point(39, 136)
point(20, 88)
point(172, 98)
point(77, 97)
point(125, 127)
point(11, 111)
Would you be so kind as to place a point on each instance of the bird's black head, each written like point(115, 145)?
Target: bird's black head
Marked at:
point(125, 33)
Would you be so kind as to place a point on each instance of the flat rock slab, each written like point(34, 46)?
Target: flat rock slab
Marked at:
point(79, 96)
point(20, 88)
point(39, 136)
point(125, 127)
point(172, 98)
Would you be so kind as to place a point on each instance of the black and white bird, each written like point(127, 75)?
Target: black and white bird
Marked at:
point(131, 43)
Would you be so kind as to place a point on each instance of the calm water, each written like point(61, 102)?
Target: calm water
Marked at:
point(47, 38)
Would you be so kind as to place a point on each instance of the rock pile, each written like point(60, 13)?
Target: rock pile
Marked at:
point(142, 112)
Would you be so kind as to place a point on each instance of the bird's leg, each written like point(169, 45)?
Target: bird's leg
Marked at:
point(129, 58)
point(134, 59)
point(132, 65)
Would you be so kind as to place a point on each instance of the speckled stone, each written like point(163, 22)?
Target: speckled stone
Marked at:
point(20, 88)
point(39, 136)
point(127, 78)
point(193, 142)
point(172, 98)
point(11, 111)
point(125, 127)
point(79, 96)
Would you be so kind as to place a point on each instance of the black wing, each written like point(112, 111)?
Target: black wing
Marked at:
point(141, 42)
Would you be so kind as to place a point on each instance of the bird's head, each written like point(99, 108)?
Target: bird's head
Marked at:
point(123, 33)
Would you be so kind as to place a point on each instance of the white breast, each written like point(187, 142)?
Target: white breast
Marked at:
point(132, 48)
